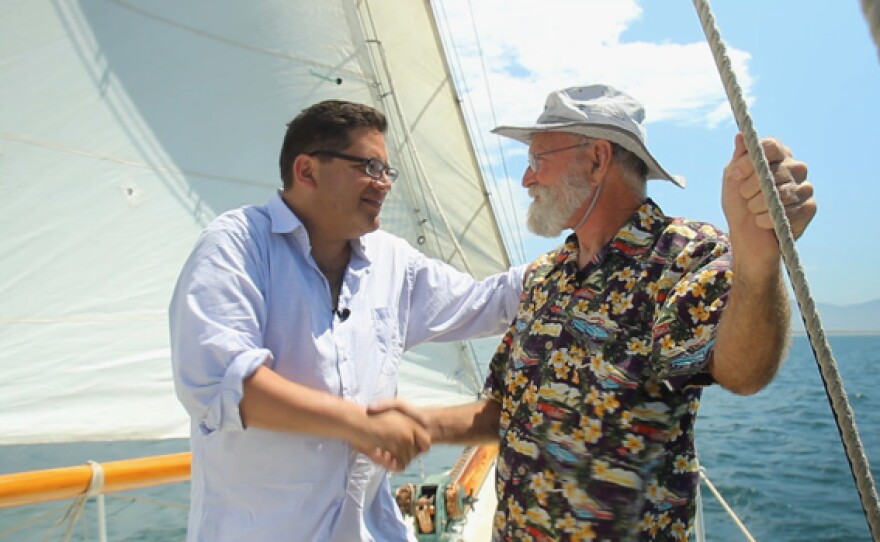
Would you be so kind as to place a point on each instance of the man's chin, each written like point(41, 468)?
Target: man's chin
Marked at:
point(544, 232)
point(366, 227)
point(537, 222)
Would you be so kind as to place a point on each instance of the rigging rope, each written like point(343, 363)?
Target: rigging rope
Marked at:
point(78, 505)
point(827, 365)
point(408, 142)
point(738, 522)
point(514, 236)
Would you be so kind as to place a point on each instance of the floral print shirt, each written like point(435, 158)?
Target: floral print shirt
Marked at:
point(599, 380)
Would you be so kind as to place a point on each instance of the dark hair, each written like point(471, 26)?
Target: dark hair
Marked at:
point(325, 125)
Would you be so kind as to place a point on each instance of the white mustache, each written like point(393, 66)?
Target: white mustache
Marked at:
point(535, 191)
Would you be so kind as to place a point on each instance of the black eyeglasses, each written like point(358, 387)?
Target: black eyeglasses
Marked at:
point(373, 166)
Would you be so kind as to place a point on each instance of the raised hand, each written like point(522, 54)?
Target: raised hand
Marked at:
point(744, 204)
point(752, 334)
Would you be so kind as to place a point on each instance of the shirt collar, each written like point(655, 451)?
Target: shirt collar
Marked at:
point(282, 217)
point(635, 237)
point(638, 235)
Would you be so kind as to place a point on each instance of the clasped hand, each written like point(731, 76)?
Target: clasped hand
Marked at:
point(396, 433)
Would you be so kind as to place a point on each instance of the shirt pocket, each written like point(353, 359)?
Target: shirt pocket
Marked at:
point(389, 351)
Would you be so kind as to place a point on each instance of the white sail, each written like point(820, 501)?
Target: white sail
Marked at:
point(128, 125)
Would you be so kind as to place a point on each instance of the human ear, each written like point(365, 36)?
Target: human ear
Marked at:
point(304, 167)
point(603, 155)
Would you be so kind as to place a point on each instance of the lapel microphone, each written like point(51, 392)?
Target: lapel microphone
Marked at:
point(342, 314)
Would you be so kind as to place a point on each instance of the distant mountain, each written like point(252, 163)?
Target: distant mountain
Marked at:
point(836, 319)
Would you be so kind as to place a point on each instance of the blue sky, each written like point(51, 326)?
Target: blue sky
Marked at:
point(809, 69)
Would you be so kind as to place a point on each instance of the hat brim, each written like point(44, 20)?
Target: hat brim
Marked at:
point(622, 137)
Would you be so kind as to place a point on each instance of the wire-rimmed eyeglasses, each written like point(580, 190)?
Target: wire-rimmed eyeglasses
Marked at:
point(373, 166)
point(533, 158)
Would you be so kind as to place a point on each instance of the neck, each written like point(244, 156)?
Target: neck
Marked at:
point(332, 262)
point(331, 254)
point(590, 208)
point(331, 257)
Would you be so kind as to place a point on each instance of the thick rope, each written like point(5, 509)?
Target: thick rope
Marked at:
point(827, 366)
point(872, 15)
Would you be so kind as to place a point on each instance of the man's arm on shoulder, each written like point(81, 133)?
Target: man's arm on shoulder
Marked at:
point(448, 304)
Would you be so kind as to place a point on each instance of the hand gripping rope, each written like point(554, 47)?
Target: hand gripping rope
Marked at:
point(827, 365)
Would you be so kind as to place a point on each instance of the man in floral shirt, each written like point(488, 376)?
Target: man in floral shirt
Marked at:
point(598, 381)
point(595, 387)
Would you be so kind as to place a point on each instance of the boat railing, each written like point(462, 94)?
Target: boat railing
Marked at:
point(46, 485)
point(90, 481)
point(95, 480)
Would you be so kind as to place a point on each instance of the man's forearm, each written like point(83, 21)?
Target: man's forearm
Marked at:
point(752, 335)
point(472, 423)
point(273, 402)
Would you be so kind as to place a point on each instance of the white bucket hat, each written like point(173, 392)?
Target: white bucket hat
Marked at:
point(598, 111)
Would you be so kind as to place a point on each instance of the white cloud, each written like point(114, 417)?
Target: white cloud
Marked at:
point(529, 48)
point(509, 54)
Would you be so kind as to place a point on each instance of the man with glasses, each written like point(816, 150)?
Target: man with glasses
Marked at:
point(288, 319)
point(594, 389)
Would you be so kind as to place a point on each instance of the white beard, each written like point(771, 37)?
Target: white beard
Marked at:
point(552, 211)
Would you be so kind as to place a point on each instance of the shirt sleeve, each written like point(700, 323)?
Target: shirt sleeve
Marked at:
point(216, 316)
point(688, 311)
point(494, 387)
point(447, 304)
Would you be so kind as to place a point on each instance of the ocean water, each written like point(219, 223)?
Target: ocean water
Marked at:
point(776, 457)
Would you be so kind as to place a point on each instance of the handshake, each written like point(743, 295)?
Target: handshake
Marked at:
point(396, 432)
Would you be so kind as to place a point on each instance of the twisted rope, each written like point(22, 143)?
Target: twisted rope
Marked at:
point(821, 349)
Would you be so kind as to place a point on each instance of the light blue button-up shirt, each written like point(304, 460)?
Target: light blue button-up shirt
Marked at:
point(251, 294)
